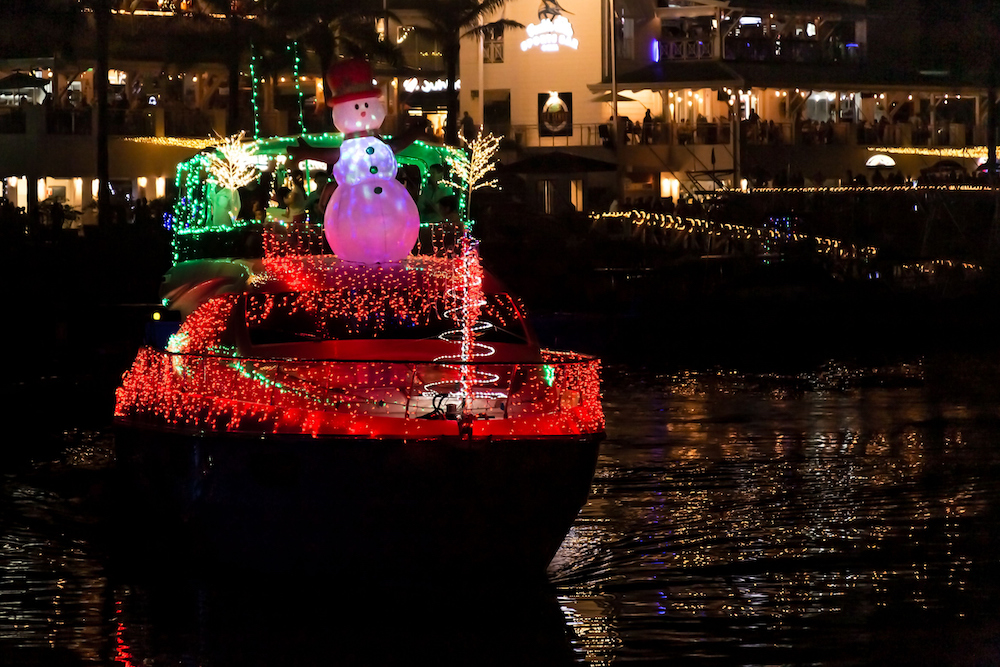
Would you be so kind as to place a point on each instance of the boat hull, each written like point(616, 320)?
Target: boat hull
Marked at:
point(384, 508)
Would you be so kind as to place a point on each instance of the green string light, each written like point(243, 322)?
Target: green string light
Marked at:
point(296, 62)
point(195, 234)
point(253, 91)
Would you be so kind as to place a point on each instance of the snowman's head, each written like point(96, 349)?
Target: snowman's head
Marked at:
point(363, 114)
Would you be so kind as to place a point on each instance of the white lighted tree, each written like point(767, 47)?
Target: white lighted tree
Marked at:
point(470, 172)
point(233, 163)
point(471, 169)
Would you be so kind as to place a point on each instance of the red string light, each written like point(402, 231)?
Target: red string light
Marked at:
point(201, 383)
point(204, 393)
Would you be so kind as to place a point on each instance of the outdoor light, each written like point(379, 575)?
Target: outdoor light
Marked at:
point(880, 160)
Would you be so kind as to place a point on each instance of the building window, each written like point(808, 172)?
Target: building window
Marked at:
point(576, 194)
point(419, 50)
point(626, 39)
point(547, 193)
point(493, 45)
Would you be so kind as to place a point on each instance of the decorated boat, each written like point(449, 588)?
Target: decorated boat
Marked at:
point(345, 393)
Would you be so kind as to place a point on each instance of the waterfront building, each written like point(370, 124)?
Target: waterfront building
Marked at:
point(734, 93)
point(600, 99)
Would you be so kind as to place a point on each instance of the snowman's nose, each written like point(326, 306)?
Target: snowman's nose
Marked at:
point(363, 113)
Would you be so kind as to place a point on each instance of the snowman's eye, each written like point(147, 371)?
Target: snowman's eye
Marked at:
point(356, 106)
point(366, 105)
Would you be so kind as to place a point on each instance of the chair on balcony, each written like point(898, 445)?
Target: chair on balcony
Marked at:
point(604, 130)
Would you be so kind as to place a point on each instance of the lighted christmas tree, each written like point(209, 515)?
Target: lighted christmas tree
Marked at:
point(233, 165)
point(472, 168)
point(471, 171)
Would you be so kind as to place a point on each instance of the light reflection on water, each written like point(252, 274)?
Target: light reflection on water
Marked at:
point(842, 516)
point(827, 518)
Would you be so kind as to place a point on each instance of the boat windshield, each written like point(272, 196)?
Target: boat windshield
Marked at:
point(302, 317)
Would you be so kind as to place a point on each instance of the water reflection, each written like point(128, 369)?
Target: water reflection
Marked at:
point(845, 515)
point(77, 590)
point(757, 519)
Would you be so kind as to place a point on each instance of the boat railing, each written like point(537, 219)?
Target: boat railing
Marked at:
point(217, 392)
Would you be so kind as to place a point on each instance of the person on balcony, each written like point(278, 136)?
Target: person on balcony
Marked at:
point(647, 127)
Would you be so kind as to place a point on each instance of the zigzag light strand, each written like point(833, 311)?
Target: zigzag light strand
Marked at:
point(466, 296)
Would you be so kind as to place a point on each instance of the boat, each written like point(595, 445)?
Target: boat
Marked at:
point(313, 409)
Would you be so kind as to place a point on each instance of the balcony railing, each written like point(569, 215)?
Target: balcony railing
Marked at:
point(134, 123)
point(69, 121)
point(762, 49)
point(659, 133)
point(791, 50)
point(686, 49)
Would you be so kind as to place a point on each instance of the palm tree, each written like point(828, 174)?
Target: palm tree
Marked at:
point(328, 28)
point(450, 21)
point(334, 28)
point(102, 18)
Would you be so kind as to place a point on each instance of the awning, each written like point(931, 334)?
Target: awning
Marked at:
point(22, 81)
point(558, 162)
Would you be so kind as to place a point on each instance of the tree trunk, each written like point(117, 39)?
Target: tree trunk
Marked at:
point(233, 110)
point(102, 17)
point(451, 52)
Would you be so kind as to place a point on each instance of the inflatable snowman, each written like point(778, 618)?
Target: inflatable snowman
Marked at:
point(370, 217)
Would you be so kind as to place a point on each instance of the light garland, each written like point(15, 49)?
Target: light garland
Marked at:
point(173, 142)
point(253, 91)
point(966, 152)
point(855, 189)
point(296, 64)
point(358, 398)
point(466, 302)
point(769, 239)
point(737, 232)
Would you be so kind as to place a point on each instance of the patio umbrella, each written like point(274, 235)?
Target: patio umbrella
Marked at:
point(22, 81)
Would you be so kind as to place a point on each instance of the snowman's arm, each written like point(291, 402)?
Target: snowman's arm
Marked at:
point(303, 151)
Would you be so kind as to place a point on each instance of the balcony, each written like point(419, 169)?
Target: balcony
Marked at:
point(791, 50)
point(762, 50)
point(686, 49)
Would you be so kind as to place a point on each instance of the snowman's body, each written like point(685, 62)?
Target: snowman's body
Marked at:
point(371, 216)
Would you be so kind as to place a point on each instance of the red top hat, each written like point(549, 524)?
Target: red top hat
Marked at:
point(349, 80)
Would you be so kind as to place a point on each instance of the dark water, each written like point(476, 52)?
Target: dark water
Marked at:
point(842, 514)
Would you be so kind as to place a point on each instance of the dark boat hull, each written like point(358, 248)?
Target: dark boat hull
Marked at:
point(417, 508)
